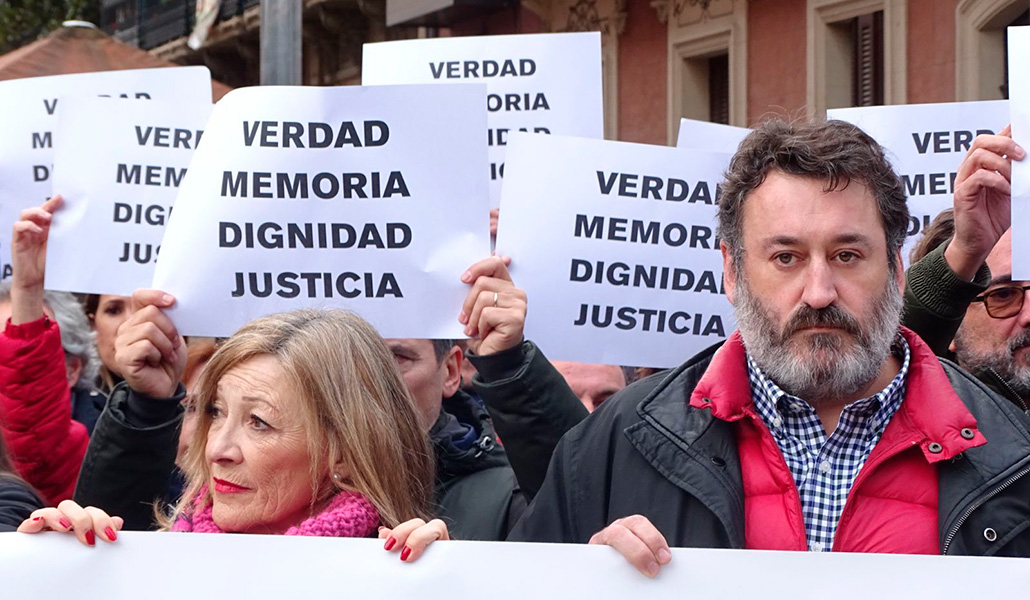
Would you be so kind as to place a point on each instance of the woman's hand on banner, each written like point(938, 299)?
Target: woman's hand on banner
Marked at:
point(411, 538)
point(86, 523)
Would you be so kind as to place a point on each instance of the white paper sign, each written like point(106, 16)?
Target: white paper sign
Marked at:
point(358, 197)
point(542, 83)
point(143, 564)
point(118, 165)
point(1019, 94)
point(28, 116)
point(710, 137)
point(926, 144)
point(615, 246)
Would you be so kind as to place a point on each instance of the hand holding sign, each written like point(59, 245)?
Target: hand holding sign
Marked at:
point(411, 538)
point(982, 201)
point(495, 310)
point(28, 257)
point(639, 541)
point(149, 351)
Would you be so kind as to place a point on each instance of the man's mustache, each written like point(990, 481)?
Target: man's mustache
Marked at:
point(830, 316)
point(1020, 341)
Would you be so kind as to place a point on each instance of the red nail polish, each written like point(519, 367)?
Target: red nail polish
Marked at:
point(390, 543)
point(90, 538)
point(37, 518)
point(65, 523)
point(405, 553)
point(111, 535)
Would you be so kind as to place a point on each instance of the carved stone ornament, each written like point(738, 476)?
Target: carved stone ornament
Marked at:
point(585, 16)
point(689, 12)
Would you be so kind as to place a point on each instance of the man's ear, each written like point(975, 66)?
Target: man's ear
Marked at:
point(729, 272)
point(900, 272)
point(452, 375)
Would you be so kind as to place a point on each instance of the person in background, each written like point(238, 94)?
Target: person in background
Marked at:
point(80, 352)
point(593, 384)
point(304, 427)
point(106, 312)
point(46, 444)
point(960, 295)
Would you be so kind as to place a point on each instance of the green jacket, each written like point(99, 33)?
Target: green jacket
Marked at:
point(936, 300)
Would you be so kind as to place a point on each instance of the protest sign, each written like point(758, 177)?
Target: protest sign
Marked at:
point(1019, 94)
point(926, 144)
point(28, 115)
point(367, 198)
point(118, 165)
point(542, 83)
point(710, 137)
point(269, 566)
point(616, 244)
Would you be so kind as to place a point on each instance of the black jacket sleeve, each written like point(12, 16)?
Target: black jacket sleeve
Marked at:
point(552, 515)
point(131, 456)
point(936, 299)
point(17, 502)
point(531, 405)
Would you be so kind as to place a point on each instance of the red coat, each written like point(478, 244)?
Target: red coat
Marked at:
point(46, 445)
point(892, 506)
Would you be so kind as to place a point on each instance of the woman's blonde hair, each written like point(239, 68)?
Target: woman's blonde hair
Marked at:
point(356, 407)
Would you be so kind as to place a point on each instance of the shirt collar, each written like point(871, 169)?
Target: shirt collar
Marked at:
point(774, 405)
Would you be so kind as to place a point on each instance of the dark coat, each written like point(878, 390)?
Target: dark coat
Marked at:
point(130, 462)
point(477, 494)
point(17, 502)
point(532, 408)
point(647, 451)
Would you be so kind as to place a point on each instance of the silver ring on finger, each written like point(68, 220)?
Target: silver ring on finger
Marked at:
point(495, 299)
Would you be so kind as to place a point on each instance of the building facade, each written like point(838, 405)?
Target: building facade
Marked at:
point(727, 61)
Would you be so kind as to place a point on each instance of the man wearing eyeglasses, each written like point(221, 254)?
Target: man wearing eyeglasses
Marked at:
point(961, 297)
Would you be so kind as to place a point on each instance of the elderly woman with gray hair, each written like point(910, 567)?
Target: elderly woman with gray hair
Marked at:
point(48, 365)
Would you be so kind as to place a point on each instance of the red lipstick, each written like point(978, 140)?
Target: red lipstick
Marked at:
point(228, 487)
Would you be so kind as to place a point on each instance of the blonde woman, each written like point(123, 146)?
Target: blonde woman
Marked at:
point(304, 427)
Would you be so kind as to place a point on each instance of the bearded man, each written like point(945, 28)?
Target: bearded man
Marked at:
point(821, 424)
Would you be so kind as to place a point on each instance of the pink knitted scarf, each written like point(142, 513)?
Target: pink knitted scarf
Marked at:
point(348, 514)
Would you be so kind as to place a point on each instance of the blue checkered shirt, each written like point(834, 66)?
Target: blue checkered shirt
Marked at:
point(824, 467)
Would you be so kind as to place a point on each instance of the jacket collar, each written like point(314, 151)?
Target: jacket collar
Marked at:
point(931, 412)
point(460, 417)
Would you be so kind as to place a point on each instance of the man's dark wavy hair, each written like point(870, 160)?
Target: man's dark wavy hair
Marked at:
point(835, 152)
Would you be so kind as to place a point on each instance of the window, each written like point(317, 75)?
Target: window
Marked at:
point(705, 93)
point(708, 64)
point(981, 71)
point(856, 53)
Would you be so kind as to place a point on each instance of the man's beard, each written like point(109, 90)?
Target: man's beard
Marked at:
point(819, 366)
point(1003, 362)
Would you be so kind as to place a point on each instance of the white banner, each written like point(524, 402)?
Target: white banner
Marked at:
point(118, 165)
point(615, 246)
point(171, 566)
point(28, 116)
point(1019, 94)
point(710, 137)
point(542, 83)
point(367, 198)
point(926, 144)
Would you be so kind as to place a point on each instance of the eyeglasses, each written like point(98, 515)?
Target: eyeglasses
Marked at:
point(1003, 302)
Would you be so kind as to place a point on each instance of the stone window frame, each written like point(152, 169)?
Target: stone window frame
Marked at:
point(821, 14)
point(976, 45)
point(724, 33)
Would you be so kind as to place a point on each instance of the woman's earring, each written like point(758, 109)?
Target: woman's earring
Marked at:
point(337, 478)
